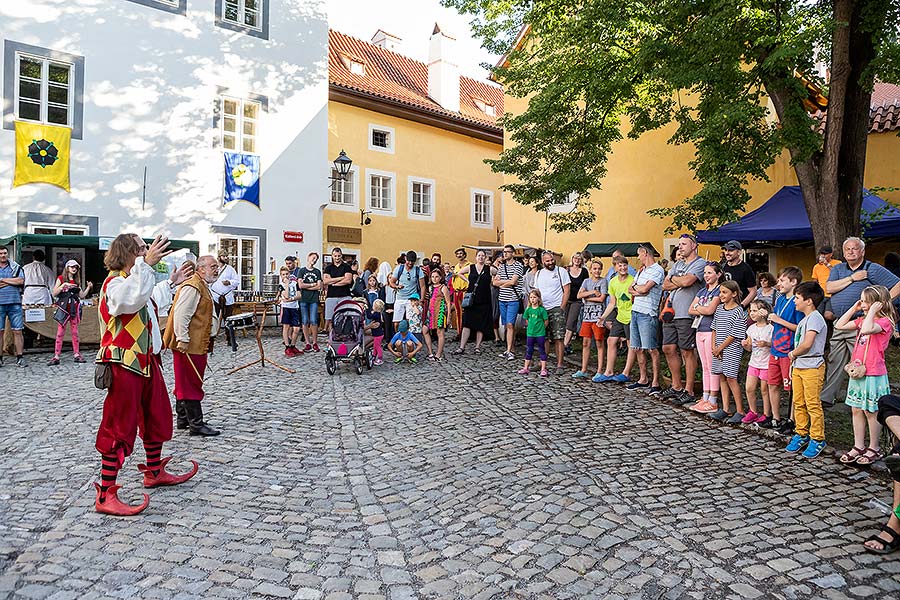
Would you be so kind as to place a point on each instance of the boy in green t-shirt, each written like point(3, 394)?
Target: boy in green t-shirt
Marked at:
point(536, 318)
point(619, 329)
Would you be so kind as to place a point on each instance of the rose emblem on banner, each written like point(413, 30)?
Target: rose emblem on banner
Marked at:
point(242, 176)
point(43, 153)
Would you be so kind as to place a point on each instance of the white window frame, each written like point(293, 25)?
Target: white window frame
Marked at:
point(473, 193)
point(392, 211)
point(392, 140)
point(32, 225)
point(353, 177)
point(241, 10)
point(409, 198)
point(44, 105)
point(239, 129)
point(237, 262)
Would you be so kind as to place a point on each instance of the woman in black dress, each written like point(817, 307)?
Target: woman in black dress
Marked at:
point(478, 316)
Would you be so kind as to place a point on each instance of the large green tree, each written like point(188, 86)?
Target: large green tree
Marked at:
point(735, 77)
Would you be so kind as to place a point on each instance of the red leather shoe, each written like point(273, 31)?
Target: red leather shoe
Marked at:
point(164, 478)
point(113, 506)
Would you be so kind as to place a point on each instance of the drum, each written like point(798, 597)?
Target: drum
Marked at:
point(240, 321)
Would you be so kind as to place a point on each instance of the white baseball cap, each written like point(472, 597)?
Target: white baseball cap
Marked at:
point(72, 263)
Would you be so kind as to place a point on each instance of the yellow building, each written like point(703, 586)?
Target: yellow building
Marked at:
point(418, 136)
point(648, 173)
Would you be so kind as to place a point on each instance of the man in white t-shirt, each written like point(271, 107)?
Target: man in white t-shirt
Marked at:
point(223, 288)
point(553, 283)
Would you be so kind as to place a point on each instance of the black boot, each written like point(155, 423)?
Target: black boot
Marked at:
point(181, 421)
point(195, 419)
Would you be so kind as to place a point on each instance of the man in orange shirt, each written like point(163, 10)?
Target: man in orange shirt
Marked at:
point(823, 267)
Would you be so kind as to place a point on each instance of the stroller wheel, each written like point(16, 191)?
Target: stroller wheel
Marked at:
point(370, 359)
point(330, 364)
point(359, 366)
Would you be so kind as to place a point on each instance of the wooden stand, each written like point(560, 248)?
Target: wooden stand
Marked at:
point(261, 308)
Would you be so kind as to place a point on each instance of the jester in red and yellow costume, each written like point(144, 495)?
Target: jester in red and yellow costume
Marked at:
point(137, 399)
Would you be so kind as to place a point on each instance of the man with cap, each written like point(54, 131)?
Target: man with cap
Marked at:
point(822, 271)
point(736, 270)
point(407, 279)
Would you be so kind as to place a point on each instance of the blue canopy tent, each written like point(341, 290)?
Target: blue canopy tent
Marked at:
point(782, 221)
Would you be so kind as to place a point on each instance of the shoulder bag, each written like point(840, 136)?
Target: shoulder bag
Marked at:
point(469, 297)
point(856, 369)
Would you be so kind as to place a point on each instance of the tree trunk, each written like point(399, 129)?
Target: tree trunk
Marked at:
point(832, 180)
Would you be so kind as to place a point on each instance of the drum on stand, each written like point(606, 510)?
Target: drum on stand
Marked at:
point(240, 321)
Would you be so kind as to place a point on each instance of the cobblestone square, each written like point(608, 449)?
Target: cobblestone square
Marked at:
point(458, 479)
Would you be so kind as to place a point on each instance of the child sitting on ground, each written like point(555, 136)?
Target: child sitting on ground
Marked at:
point(404, 343)
point(759, 338)
point(729, 329)
point(536, 319)
point(868, 372)
point(375, 327)
point(289, 298)
point(784, 318)
point(808, 361)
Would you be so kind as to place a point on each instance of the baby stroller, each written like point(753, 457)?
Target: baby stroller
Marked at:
point(346, 340)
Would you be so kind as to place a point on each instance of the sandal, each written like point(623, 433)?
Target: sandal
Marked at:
point(477, 350)
point(868, 457)
point(887, 546)
point(458, 351)
point(53, 361)
point(851, 456)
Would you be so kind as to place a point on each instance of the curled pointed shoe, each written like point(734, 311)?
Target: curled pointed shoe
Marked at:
point(163, 477)
point(111, 505)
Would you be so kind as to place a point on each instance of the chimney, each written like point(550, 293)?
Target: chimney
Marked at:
point(443, 72)
point(386, 40)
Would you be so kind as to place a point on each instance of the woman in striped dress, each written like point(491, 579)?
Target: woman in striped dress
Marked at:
point(729, 328)
point(437, 314)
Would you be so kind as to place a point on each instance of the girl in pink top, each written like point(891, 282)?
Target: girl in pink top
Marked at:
point(874, 334)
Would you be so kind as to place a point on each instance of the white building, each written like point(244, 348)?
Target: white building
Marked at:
point(154, 92)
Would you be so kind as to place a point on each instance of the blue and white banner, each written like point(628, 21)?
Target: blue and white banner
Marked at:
point(242, 177)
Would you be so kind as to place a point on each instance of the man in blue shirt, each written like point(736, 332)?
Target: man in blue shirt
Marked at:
point(12, 282)
point(845, 283)
point(407, 279)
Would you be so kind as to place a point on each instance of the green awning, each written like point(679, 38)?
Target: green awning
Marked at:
point(80, 241)
point(627, 248)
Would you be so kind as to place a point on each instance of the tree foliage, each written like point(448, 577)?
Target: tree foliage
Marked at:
point(595, 70)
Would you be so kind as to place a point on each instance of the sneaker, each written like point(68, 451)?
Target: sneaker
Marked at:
point(814, 448)
point(653, 390)
point(736, 419)
point(636, 385)
point(601, 378)
point(718, 415)
point(307, 347)
point(787, 427)
point(768, 423)
point(684, 399)
point(412, 360)
point(545, 373)
point(53, 361)
point(579, 375)
point(750, 417)
point(670, 393)
point(316, 347)
point(797, 442)
point(20, 361)
point(377, 362)
point(761, 419)
point(704, 407)
point(522, 371)
point(288, 352)
point(398, 360)
point(510, 356)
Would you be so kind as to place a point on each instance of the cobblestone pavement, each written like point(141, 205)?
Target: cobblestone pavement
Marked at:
point(451, 480)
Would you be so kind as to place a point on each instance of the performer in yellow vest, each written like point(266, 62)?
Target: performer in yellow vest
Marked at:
point(130, 343)
point(190, 326)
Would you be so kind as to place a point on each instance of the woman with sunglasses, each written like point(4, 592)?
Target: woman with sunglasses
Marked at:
point(68, 295)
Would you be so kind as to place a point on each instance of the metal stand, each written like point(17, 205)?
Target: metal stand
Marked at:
point(262, 360)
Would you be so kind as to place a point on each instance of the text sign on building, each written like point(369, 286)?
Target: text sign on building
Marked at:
point(344, 235)
point(293, 237)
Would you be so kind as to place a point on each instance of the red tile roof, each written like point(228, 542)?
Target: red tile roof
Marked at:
point(399, 78)
point(884, 112)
